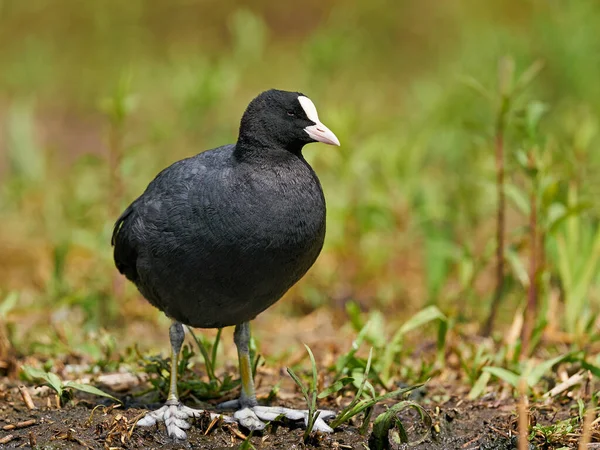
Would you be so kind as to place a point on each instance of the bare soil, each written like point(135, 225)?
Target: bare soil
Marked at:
point(488, 424)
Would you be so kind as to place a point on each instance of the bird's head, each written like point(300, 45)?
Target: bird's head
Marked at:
point(286, 119)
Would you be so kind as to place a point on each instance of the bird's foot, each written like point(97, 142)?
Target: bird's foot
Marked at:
point(253, 417)
point(176, 418)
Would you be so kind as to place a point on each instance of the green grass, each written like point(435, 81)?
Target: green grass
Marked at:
point(64, 390)
point(95, 99)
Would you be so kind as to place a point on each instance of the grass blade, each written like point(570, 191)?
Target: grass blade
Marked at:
point(205, 354)
point(89, 389)
point(379, 439)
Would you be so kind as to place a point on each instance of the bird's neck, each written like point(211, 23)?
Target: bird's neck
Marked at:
point(253, 148)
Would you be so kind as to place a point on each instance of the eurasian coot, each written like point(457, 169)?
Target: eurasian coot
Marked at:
point(219, 237)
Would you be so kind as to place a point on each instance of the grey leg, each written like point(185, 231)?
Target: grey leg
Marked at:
point(249, 414)
point(241, 337)
point(173, 413)
point(176, 336)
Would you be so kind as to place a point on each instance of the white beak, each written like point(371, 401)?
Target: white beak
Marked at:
point(318, 131)
point(321, 133)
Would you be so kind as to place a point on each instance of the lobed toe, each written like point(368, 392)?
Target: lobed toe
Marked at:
point(146, 421)
point(175, 432)
point(320, 425)
point(247, 418)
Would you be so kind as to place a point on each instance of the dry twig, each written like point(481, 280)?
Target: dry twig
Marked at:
point(24, 424)
point(565, 385)
point(523, 415)
point(7, 439)
point(586, 433)
point(26, 397)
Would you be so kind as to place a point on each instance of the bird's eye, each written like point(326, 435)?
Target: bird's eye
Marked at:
point(291, 114)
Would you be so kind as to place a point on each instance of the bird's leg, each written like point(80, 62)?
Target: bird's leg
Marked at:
point(241, 337)
point(173, 413)
point(249, 414)
point(176, 336)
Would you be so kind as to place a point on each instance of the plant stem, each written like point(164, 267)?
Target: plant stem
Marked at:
point(530, 310)
point(500, 213)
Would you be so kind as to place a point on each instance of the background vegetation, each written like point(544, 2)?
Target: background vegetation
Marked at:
point(97, 97)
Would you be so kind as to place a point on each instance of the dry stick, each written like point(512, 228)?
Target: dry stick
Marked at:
point(565, 385)
point(586, 432)
point(26, 397)
point(134, 422)
point(7, 439)
point(533, 270)
point(24, 424)
point(32, 440)
point(523, 415)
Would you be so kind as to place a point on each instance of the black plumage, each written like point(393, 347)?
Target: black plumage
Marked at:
point(219, 237)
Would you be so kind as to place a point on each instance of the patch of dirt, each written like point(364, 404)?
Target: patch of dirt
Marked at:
point(481, 425)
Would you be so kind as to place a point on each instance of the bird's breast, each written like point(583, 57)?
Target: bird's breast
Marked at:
point(272, 208)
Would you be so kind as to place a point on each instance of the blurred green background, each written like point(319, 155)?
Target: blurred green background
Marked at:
point(97, 97)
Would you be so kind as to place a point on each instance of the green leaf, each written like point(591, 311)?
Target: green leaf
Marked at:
point(550, 188)
point(517, 266)
point(354, 314)
point(506, 73)
point(357, 406)
point(210, 370)
point(52, 380)
point(215, 348)
point(366, 421)
point(55, 382)
point(34, 373)
point(89, 389)
point(376, 335)
point(298, 382)
point(386, 421)
point(534, 113)
point(592, 368)
point(8, 304)
point(345, 359)
point(558, 213)
point(247, 445)
point(441, 341)
point(518, 198)
point(539, 370)
point(421, 318)
point(479, 385)
point(523, 159)
point(313, 366)
point(506, 375)
point(529, 75)
point(476, 86)
point(335, 387)
point(366, 374)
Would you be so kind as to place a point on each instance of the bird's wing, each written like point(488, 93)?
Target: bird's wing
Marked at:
point(125, 244)
point(154, 218)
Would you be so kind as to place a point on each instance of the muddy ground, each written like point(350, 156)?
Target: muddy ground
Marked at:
point(488, 424)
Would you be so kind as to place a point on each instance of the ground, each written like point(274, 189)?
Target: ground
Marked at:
point(87, 421)
point(487, 424)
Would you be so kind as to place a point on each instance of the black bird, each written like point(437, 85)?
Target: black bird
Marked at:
point(219, 237)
